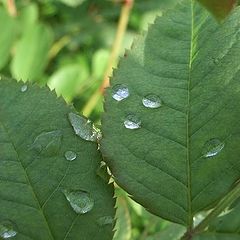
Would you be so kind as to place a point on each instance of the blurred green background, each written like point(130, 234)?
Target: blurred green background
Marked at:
point(66, 44)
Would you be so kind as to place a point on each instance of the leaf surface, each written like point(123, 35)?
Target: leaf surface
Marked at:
point(182, 156)
point(36, 170)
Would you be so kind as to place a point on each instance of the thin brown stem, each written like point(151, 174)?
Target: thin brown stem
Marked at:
point(121, 29)
point(11, 7)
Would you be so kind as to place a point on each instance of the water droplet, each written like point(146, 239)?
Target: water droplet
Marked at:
point(132, 122)
point(120, 92)
point(24, 88)
point(212, 147)
point(7, 229)
point(70, 155)
point(84, 128)
point(48, 143)
point(80, 201)
point(152, 101)
point(105, 220)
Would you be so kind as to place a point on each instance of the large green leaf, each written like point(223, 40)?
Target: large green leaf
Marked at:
point(31, 56)
point(183, 155)
point(7, 36)
point(35, 175)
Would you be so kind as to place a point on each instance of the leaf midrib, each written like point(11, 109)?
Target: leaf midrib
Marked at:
point(28, 181)
point(190, 219)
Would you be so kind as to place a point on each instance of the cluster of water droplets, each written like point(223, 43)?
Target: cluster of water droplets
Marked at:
point(7, 229)
point(80, 201)
point(132, 121)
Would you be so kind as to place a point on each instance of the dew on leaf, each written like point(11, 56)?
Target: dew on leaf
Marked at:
point(48, 143)
point(70, 155)
point(105, 220)
point(212, 147)
point(84, 128)
point(24, 88)
point(120, 92)
point(80, 201)
point(132, 122)
point(152, 101)
point(7, 229)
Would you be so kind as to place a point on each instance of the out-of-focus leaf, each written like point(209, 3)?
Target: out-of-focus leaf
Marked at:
point(123, 224)
point(72, 3)
point(219, 8)
point(172, 232)
point(31, 56)
point(37, 170)
point(7, 36)
point(99, 63)
point(68, 80)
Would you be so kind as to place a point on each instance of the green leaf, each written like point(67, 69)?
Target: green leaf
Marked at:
point(179, 156)
point(31, 56)
point(68, 80)
point(123, 224)
point(220, 9)
point(7, 36)
point(38, 173)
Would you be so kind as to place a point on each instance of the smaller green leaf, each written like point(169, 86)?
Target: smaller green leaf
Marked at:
point(7, 36)
point(220, 9)
point(123, 225)
point(31, 55)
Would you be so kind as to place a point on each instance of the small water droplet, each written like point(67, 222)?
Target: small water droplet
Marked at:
point(132, 122)
point(152, 101)
point(70, 155)
point(120, 92)
point(212, 147)
point(80, 201)
point(84, 128)
point(24, 88)
point(48, 143)
point(7, 229)
point(105, 220)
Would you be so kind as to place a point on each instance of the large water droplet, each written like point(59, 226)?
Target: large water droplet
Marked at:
point(120, 92)
point(132, 122)
point(80, 201)
point(70, 155)
point(212, 147)
point(7, 229)
point(48, 143)
point(105, 220)
point(84, 128)
point(152, 101)
point(24, 88)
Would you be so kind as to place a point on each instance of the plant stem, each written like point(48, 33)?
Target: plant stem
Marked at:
point(11, 7)
point(121, 29)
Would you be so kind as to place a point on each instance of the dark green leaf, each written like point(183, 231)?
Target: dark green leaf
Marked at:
point(219, 8)
point(182, 155)
point(42, 163)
